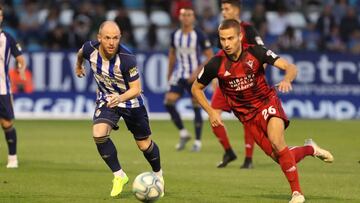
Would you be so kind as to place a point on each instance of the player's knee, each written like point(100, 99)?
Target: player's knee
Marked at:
point(145, 144)
point(6, 124)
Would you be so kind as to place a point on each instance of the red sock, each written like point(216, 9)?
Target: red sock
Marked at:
point(249, 144)
point(221, 134)
point(300, 152)
point(288, 166)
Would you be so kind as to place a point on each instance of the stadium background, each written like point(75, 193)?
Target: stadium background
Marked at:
point(324, 44)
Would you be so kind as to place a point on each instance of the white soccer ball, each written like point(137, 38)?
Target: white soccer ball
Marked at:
point(147, 187)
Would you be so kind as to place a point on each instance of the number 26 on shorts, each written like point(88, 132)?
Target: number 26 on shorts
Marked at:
point(269, 111)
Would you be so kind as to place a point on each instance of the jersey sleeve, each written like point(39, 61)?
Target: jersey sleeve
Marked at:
point(15, 47)
point(252, 35)
point(263, 54)
point(128, 67)
point(203, 40)
point(87, 49)
point(209, 71)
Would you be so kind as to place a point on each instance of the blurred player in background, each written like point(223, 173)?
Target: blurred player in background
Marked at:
point(187, 44)
point(119, 95)
point(241, 76)
point(231, 10)
point(9, 46)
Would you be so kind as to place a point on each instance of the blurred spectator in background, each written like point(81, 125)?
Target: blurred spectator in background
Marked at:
point(151, 38)
point(98, 16)
point(29, 21)
point(58, 38)
point(348, 24)
point(151, 5)
point(277, 25)
point(326, 22)
point(209, 23)
point(339, 10)
point(258, 16)
point(80, 30)
point(127, 31)
point(354, 42)
point(311, 37)
point(333, 41)
point(290, 40)
point(18, 84)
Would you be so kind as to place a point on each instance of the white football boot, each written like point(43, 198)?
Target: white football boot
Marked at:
point(320, 153)
point(12, 162)
point(297, 197)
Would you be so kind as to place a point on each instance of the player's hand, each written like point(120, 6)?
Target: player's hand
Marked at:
point(22, 73)
point(284, 86)
point(215, 119)
point(80, 71)
point(113, 100)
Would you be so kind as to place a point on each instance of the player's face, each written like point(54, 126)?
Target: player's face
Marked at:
point(109, 39)
point(229, 11)
point(230, 40)
point(187, 17)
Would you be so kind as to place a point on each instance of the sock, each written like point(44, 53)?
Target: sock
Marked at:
point(249, 145)
point(175, 116)
point(10, 136)
point(107, 151)
point(198, 122)
point(152, 155)
point(119, 173)
point(221, 134)
point(288, 166)
point(300, 152)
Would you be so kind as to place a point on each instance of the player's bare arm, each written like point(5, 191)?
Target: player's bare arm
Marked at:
point(172, 60)
point(197, 90)
point(290, 74)
point(79, 67)
point(133, 92)
point(21, 66)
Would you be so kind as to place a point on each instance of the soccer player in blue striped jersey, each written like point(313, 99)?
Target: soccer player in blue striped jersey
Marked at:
point(188, 44)
point(8, 46)
point(119, 95)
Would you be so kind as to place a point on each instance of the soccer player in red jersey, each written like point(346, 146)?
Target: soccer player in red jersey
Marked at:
point(241, 77)
point(231, 10)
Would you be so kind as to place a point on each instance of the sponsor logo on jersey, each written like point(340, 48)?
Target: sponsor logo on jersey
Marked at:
point(133, 71)
point(97, 113)
point(227, 73)
point(18, 47)
point(271, 53)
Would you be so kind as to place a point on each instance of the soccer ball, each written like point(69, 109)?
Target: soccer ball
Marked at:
point(147, 187)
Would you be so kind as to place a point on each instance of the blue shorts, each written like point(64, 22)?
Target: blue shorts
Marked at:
point(6, 107)
point(180, 86)
point(136, 119)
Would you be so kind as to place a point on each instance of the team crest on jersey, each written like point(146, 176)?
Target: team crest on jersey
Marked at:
point(250, 63)
point(116, 70)
point(133, 71)
point(227, 73)
point(97, 113)
point(271, 53)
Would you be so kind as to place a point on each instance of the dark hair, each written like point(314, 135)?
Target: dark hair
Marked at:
point(230, 23)
point(236, 3)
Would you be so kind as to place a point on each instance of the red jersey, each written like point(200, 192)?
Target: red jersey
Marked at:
point(243, 81)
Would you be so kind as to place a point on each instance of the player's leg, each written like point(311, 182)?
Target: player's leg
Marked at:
point(249, 149)
point(105, 119)
point(275, 132)
point(171, 98)
point(219, 103)
point(6, 120)
point(137, 122)
point(198, 124)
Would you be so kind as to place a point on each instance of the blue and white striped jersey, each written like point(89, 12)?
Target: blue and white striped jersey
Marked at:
point(113, 76)
point(8, 46)
point(188, 48)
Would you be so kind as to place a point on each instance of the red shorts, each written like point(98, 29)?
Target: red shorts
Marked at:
point(257, 126)
point(218, 101)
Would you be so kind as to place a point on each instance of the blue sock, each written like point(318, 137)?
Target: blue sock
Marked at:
point(152, 155)
point(107, 151)
point(198, 123)
point(10, 136)
point(175, 116)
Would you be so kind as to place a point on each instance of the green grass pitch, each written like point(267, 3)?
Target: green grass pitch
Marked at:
point(59, 163)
